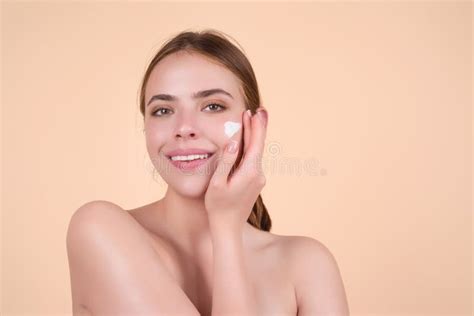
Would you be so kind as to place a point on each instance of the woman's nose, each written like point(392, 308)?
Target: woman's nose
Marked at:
point(186, 129)
point(185, 132)
point(186, 126)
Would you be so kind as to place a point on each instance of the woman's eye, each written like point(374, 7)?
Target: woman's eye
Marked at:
point(213, 105)
point(160, 112)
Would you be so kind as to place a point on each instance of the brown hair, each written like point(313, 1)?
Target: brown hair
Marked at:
point(214, 44)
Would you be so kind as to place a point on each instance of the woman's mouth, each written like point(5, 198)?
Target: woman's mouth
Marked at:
point(190, 162)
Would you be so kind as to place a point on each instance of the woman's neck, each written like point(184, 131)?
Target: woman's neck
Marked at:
point(185, 221)
point(186, 217)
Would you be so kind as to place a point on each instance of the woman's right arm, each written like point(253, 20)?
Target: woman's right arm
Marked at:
point(114, 269)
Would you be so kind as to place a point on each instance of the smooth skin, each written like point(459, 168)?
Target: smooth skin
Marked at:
point(192, 252)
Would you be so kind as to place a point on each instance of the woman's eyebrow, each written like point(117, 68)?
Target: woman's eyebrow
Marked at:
point(196, 95)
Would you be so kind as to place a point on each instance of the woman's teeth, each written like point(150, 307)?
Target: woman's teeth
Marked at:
point(190, 157)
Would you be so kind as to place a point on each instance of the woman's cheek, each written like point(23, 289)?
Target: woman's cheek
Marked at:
point(225, 129)
point(231, 128)
point(157, 136)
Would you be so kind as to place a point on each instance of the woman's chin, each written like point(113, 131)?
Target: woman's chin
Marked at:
point(191, 189)
point(192, 194)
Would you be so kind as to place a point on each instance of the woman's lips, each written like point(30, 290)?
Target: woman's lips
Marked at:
point(190, 165)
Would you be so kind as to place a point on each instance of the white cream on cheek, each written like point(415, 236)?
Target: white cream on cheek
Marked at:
point(230, 128)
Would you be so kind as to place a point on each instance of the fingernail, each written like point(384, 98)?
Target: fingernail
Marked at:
point(232, 146)
point(249, 113)
point(263, 115)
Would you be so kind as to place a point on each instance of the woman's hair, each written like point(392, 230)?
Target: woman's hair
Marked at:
point(214, 44)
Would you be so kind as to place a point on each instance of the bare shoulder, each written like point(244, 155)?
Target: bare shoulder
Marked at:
point(103, 222)
point(87, 214)
point(302, 247)
point(96, 214)
point(295, 248)
point(298, 251)
point(114, 268)
point(316, 276)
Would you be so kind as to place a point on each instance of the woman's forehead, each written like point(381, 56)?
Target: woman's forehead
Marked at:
point(184, 74)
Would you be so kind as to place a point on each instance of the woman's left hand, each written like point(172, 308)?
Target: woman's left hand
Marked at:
point(229, 200)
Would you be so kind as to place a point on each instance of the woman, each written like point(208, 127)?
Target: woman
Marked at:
point(205, 247)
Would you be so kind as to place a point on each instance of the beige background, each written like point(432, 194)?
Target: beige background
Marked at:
point(374, 96)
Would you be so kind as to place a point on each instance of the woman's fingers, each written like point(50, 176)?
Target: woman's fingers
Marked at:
point(225, 162)
point(246, 133)
point(247, 129)
point(252, 160)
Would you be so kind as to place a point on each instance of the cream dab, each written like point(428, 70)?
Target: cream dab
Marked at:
point(230, 128)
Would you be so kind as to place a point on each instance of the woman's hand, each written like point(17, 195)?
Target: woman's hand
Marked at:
point(229, 200)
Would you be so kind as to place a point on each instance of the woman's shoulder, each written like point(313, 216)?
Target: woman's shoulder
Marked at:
point(293, 244)
point(298, 245)
point(93, 211)
point(97, 205)
point(315, 274)
point(92, 217)
point(302, 253)
point(107, 247)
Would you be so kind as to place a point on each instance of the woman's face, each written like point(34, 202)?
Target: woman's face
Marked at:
point(186, 122)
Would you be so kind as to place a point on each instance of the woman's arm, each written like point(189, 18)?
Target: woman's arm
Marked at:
point(318, 282)
point(113, 268)
point(229, 204)
point(233, 291)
